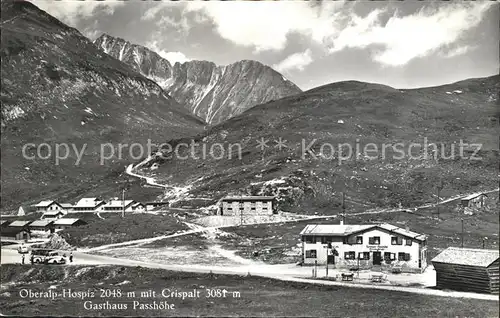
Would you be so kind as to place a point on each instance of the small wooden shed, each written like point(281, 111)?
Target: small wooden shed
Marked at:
point(476, 200)
point(467, 269)
point(17, 233)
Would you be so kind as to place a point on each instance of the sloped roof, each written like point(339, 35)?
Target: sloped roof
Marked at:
point(467, 256)
point(41, 223)
point(473, 196)
point(248, 198)
point(87, 203)
point(117, 203)
point(66, 205)
point(348, 229)
point(53, 213)
point(136, 204)
point(43, 204)
point(66, 221)
point(19, 223)
point(333, 229)
point(4, 222)
point(398, 230)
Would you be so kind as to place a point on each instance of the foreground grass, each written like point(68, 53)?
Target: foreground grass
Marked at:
point(115, 229)
point(257, 296)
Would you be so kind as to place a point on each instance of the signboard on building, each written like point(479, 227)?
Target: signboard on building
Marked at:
point(376, 247)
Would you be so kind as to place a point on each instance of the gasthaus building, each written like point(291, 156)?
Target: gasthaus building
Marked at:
point(364, 246)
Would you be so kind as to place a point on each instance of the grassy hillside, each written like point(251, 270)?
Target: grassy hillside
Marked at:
point(59, 90)
point(357, 114)
point(115, 229)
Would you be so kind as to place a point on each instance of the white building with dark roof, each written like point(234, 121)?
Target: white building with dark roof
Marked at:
point(364, 246)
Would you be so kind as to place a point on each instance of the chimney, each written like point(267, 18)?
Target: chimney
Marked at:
point(407, 228)
point(341, 222)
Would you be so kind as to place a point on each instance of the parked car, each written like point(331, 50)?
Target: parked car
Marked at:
point(47, 257)
point(23, 249)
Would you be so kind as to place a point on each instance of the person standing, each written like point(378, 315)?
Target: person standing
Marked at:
point(71, 257)
point(23, 259)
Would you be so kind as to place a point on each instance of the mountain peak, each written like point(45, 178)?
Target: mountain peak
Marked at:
point(212, 92)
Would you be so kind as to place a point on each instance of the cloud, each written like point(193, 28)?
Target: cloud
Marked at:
point(335, 26)
point(157, 8)
point(172, 57)
point(296, 61)
point(70, 12)
point(460, 50)
point(265, 25)
point(402, 39)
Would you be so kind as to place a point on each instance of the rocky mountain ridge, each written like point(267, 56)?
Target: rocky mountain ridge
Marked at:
point(212, 92)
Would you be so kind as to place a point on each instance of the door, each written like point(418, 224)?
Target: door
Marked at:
point(377, 258)
point(331, 259)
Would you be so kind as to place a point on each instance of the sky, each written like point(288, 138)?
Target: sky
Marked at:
point(403, 44)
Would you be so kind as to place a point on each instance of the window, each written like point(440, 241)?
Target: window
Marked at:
point(408, 242)
point(403, 256)
point(326, 239)
point(359, 240)
point(396, 240)
point(311, 254)
point(388, 256)
point(310, 239)
point(350, 255)
point(349, 240)
point(364, 255)
point(374, 240)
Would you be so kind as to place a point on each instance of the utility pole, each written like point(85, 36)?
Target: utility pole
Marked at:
point(484, 239)
point(326, 262)
point(437, 201)
point(123, 203)
point(343, 207)
point(462, 233)
point(358, 265)
point(241, 215)
point(439, 188)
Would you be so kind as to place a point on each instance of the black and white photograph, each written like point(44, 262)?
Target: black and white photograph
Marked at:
point(250, 158)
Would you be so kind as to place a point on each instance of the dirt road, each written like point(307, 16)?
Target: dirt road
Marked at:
point(280, 272)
